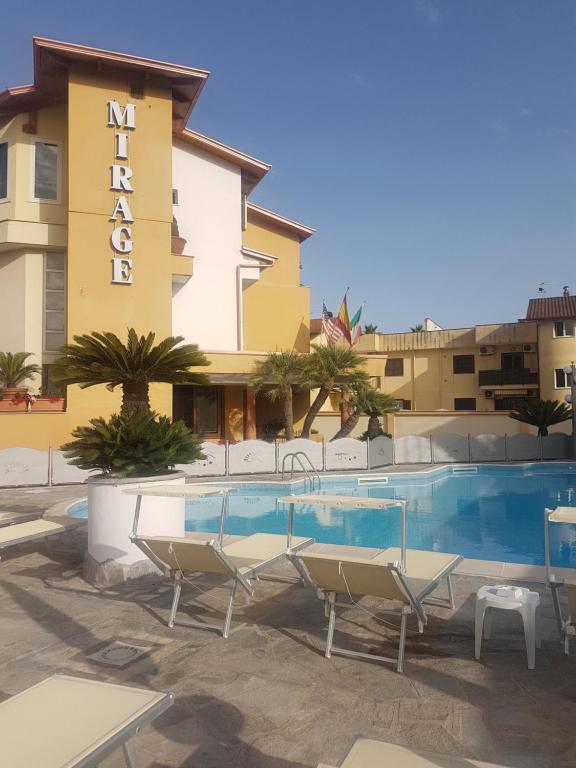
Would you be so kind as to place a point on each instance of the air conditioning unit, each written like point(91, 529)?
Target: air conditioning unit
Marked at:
point(487, 350)
point(529, 348)
point(489, 394)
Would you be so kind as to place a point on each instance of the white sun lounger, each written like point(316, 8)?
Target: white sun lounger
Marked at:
point(399, 574)
point(369, 753)
point(380, 576)
point(69, 722)
point(41, 528)
point(10, 518)
point(241, 561)
point(566, 624)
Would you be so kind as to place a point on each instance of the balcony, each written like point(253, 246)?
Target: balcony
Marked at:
point(501, 378)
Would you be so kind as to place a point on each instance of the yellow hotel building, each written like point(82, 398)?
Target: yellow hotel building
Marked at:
point(114, 214)
point(466, 380)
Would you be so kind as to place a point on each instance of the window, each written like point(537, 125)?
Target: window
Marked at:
point(137, 90)
point(49, 386)
point(3, 170)
point(394, 366)
point(510, 403)
point(404, 405)
point(562, 380)
point(174, 197)
point(45, 170)
point(463, 363)
point(564, 328)
point(54, 301)
point(465, 404)
point(512, 361)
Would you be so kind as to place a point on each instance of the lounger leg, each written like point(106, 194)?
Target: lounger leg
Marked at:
point(301, 570)
point(331, 623)
point(402, 641)
point(557, 609)
point(176, 599)
point(450, 592)
point(128, 755)
point(226, 630)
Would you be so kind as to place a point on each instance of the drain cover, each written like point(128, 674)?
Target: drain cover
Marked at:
point(119, 654)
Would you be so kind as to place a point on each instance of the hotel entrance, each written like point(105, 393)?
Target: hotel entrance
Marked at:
point(216, 412)
point(201, 409)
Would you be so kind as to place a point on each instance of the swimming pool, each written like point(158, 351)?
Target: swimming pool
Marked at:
point(485, 512)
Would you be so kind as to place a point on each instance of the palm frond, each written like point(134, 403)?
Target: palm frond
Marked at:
point(13, 370)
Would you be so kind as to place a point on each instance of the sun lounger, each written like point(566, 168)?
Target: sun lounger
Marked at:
point(369, 753)
point(41, 528)
point(557, 584)
point(69, 722)
point(241, 561)
point(10, 518)
point(332, 573)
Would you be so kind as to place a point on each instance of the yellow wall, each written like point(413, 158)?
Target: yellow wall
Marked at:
point(94, 302)
point(554, 353)
point(51, 126)
point(234, 413)
point(496, 423)
point(276, 308)
point(86, 204)
point(429, 381)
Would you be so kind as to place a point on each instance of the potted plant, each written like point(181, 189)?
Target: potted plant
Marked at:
point(134, 447)
point(14, 372)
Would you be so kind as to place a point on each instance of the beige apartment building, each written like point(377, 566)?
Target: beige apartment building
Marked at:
point(441, 376)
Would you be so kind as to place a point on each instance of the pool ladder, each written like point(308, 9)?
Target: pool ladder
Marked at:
point(311, 472)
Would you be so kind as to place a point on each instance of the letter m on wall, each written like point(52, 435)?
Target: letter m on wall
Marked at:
point(122, 118)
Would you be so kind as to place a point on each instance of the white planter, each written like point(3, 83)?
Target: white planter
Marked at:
point(112, 557)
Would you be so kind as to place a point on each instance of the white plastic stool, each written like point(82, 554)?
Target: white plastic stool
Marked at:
point(508, 598)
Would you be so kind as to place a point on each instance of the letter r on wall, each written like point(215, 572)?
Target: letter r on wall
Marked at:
point(121, 175)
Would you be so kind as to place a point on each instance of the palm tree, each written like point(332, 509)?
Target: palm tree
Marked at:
point(322, 369)
point(364, 398)
point(370, 328)
point(417, 328)
point(542, 414)
point(13, 370)
point(101, 358)
point(276, 376)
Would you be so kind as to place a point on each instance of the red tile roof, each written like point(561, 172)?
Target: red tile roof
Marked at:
point(315, 326)
point(551, 308)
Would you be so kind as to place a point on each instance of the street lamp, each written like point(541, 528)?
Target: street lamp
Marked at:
point(570, 370)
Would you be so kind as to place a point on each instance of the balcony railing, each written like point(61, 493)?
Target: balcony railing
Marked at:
point(500, 378)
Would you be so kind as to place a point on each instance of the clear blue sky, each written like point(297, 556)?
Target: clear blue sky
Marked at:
point(430, 142)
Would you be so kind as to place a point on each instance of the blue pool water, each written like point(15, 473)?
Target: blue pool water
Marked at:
point(484, 512)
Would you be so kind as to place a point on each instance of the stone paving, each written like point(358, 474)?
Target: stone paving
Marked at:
point(267, 697)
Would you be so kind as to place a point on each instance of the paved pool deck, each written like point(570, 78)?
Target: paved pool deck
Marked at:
point(267, 697)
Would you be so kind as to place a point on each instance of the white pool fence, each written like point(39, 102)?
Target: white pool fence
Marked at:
point(27, 466)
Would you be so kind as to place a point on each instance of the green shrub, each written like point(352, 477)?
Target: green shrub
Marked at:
point(139, 445)
point(368, 435)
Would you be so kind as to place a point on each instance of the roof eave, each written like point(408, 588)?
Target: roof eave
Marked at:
point(186, 83)
point(253, 170)
point(300, 230)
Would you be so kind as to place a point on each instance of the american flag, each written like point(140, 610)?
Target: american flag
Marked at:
point(330, 326)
